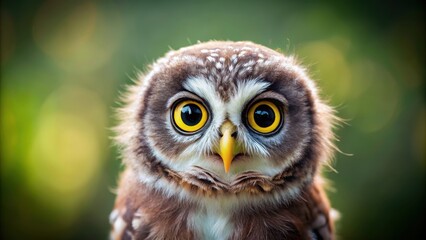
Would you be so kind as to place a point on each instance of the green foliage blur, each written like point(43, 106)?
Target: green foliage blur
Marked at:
point(64, 64)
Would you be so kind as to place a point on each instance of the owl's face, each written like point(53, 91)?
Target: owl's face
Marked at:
point(221, 112)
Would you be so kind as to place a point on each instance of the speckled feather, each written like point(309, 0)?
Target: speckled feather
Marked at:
point(163, 195)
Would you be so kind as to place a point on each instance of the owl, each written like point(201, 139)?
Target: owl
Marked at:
point(224, 140)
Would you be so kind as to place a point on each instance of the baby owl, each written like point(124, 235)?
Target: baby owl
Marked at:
point(224, 140)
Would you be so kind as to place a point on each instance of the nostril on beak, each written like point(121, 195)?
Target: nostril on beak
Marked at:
point(234, 134)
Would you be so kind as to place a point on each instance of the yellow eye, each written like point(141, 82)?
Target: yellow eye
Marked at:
point(189, 116)
point(264, 117)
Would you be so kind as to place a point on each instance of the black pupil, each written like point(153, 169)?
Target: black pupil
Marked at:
point(264, 116)
point(191, 114)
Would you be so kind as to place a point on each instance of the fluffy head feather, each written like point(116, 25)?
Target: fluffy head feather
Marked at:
point(226, 77)
point(175, 184)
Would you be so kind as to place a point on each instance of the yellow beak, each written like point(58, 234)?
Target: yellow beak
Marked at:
point(227, 147)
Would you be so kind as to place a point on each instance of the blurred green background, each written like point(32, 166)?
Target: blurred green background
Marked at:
point(64, 64)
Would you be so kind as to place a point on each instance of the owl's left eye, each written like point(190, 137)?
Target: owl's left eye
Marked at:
point(264, 117)
point(189, 116)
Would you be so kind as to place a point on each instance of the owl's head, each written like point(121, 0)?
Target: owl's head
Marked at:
point(225, 118)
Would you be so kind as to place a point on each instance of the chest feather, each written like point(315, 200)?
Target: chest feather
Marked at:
point(212, 223)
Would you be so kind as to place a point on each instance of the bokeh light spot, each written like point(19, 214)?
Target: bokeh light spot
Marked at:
point(75, 37)
point(65, 156)
point(377, 96)
point(329, 68)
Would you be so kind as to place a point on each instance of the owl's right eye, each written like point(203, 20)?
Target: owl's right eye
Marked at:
point(189, 116)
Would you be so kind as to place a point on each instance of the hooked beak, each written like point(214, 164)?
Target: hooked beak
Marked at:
point(227, 147)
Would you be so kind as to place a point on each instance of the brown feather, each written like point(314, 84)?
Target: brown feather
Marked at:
point(294, 204)
point(162, 217)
